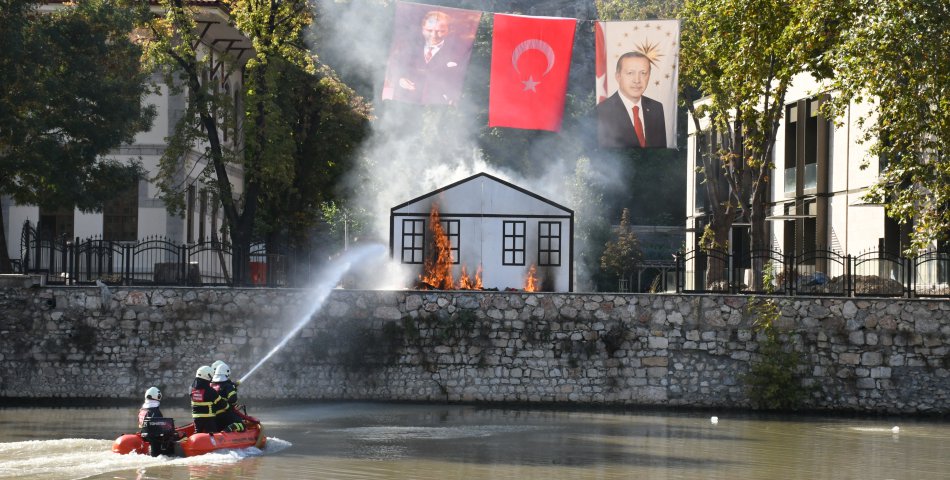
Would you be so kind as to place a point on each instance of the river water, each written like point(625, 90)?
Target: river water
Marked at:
point(410, 441)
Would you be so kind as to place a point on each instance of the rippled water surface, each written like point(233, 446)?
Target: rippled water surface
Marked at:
point(386, 441)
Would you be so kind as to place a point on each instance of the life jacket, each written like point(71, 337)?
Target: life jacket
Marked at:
point(228, 390)
point(205, 401)
point(148, 410)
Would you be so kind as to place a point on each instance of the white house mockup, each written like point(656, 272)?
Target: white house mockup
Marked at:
point(493, 225)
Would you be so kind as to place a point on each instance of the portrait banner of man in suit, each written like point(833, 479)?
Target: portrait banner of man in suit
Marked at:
point(430, 51)
point(637, 74)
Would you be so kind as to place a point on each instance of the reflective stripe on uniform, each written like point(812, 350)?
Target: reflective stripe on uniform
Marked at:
point(198, 409)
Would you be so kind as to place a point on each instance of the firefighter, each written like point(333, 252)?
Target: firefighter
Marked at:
point(223, 384)
point(206, 404)
point(154, 428)
point(153, 398)
point(229, 420)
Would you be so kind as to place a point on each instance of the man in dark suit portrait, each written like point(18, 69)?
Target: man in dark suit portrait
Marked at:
point(432, 71)
point(627, 118)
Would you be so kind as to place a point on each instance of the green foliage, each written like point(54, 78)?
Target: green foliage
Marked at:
point(344, 220)
point(637, 9)
point(171, 45)
point(895, 56)
point(743, 56)
point(773, 381)
point(72, 91)
point(709, 241)
point(622, 253)
point(327, 123)
point(298, 124)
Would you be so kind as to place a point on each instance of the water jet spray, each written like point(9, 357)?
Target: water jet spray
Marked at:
point(328, 280)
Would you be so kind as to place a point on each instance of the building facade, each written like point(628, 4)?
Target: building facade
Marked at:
point(822, 172)
point(491, 226)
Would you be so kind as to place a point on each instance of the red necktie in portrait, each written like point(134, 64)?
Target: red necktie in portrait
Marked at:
point(638, 126)
point(428, 54)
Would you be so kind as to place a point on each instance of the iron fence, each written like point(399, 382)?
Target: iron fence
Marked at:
point(156, 261)
point(821, 272)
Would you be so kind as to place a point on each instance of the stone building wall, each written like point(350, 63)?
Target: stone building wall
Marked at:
point(869, 355)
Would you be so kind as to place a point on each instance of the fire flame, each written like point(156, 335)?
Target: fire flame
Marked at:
point(531, 282)
point(437, 270)
point(466, 283)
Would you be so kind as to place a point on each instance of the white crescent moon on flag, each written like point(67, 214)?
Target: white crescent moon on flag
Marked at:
point(533, 44)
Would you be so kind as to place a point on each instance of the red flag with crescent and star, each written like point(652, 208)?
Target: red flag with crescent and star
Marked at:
point(530, 62)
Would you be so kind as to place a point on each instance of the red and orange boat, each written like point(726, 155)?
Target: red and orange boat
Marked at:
point(160, 437)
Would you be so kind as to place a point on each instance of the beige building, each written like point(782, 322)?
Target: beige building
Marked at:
point(816, 199)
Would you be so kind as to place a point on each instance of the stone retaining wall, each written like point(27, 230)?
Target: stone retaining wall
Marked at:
point(869, 355)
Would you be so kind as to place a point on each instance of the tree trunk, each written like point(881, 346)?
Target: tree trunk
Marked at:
point(5, 266)
point(717, 267)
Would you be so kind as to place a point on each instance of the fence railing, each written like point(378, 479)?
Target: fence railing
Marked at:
point(820, 272)
point(154, 261)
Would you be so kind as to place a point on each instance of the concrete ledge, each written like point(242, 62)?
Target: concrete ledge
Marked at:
point(21, 281)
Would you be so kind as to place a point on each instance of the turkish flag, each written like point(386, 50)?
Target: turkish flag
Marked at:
point(530, 62)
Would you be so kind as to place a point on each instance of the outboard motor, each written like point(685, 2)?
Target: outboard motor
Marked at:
point(160, 434)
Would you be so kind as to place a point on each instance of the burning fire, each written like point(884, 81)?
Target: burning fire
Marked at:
point(466, 283)
point(437, 271)
point(531, 281)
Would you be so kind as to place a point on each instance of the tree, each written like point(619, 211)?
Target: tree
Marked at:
point(72, 91)
point(743, 56)
point(328, 121)
point(637, 9)
point(897, 55)
point(622, 253)
point(267, 157)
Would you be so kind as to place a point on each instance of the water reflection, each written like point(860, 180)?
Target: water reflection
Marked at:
point(386, 441)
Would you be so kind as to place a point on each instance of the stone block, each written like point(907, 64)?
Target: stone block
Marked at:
point(871, 358)
point(866, 383)
point(849, 358)
point(655, 361)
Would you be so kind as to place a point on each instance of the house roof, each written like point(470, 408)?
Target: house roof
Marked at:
point(478, 176)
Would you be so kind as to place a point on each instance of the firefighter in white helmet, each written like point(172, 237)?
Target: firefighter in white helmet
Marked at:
point(206, 404)
point(153, 398)
point(230, 420)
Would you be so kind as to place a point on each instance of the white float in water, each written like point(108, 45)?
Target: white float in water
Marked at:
point(896, 429)
point(328, 280)
point(714, 420)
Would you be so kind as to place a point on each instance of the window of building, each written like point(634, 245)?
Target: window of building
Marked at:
point(224, 127)
point(549, 244)
point(202, 214)
point(791, 148)
point(943, 265)
point(120, 216)
point(811, 145)
point(451, 230)
point(513, 243)
point(56, 223)
point(190, 214)
point(413, 240)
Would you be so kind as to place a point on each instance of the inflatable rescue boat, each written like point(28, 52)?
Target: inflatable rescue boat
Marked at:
point(160, 437)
